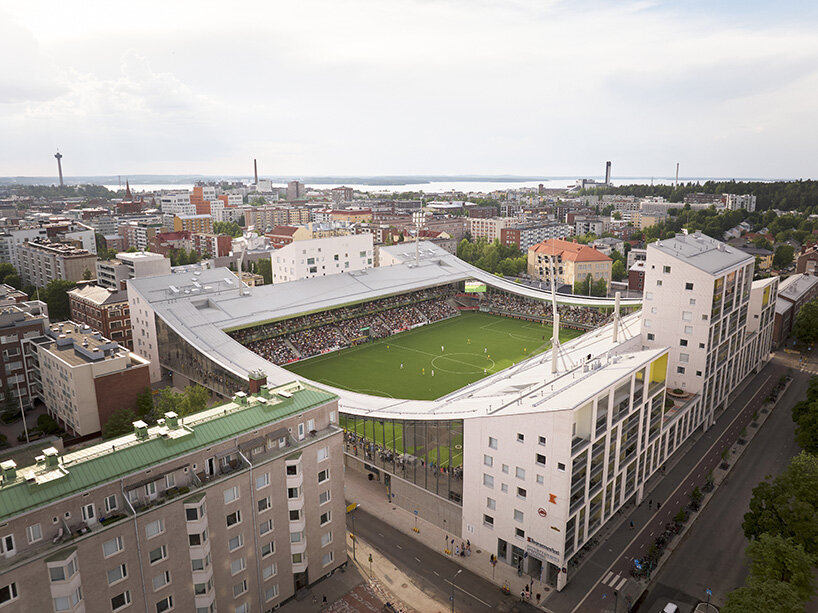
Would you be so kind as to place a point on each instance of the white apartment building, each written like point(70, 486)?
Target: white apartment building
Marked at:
point(320, 257)
point(489, 227)
point(133, 265)
point(740, 201)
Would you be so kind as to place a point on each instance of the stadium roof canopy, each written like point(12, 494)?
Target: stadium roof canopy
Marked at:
point(201, 305)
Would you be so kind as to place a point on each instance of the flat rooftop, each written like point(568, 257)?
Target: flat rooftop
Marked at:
point(703, 252)
point(78, 344)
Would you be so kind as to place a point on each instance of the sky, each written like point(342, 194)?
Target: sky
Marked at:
point(377, 87)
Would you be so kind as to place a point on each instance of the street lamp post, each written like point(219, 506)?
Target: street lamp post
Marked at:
point(354, 534)
point(452, 582)
point(616, 601)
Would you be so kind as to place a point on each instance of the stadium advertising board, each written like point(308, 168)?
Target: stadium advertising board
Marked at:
point(475, 287)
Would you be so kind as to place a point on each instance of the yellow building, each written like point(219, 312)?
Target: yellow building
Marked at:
point(198, 224)
point(572, 262)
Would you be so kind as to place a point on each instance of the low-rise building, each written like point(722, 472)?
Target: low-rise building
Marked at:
point(234, 508)
point(84, 377)
point(10, 295)
point(793, 293)
point(211, 245)
point(41, 262)
point(807, 261)
point(104, 309)
point(636, 276)
point(130, 265)
point(573, 262)
point(320, 257)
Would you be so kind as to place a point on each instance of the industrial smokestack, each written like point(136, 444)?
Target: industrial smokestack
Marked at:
point(607, 173)
point(255, 169)
point(677, 174)
point(59, 167)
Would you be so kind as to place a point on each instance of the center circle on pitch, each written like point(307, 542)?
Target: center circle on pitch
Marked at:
point(462, 363)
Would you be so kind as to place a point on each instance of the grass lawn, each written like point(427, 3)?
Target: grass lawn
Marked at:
point(434, 360)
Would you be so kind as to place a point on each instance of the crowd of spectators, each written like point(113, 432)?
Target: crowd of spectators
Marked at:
point(317, 340)
point(277, 350)
point(585, 317)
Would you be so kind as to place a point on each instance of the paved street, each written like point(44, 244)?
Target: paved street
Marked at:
point(608, 567)
point(432, 571)
point(712, 553)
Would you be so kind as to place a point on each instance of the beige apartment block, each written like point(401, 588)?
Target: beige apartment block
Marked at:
point(232, 509)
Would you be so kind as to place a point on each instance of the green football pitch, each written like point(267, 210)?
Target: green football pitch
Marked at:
point(433, 360)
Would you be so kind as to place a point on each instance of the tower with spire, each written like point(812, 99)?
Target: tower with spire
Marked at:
point(58, 155)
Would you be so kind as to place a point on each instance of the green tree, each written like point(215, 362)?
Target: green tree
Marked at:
point(193, 400)
point(775, 558)
point(265, 269)
point(14, 280)
point(783, 256)
point(86, 275)
point(55, 295)
point(806, 429)
point(144, 403)
point(763, 597)
point(599, 288)
point(805, 328)
point(119, 423)
point(167, 400)
point(230, 228)
point(617, 270)
point(787, 505)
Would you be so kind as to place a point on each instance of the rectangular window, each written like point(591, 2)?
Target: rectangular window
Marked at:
point(161, 580)
point(111, 547)
point(326, 538)
point(150, 489)
point(492, 442)
point(231, 494)
point(154, 528)
point(521, 493)
point(560, 467)
point(235, 542)
point(540, 459)
point(197, 539)
point(504, 488)
point(268, 549)
point(541, 441)
point(519, 532)
point(488, 480)
point(687, 316)
point(270, 593)
point(323, 454)
point(191, 513)
point(658, 283)
point(520, 437)
point(110, 503)
point(692, 302)
point(684, 357)
point(158, 554)
point(264, 504)
point(262, 481)
point(520, 472)
point(488, 460)
point(117, 573)
point(34, 533)
point(265, 526)
point(325, 518)
point(324, 497)
point(683, 342)
point(488, 520)
point(170, 481)
point(239, 588)
point(505, 468)
point(327, 558)
point(269, 572)
point(292, 470)
point(233, 518)
point(688, 286)
point(236, 566)
point(121, 600)
point(491, 503)
point(540, 480)
point(666, 269)
point(88, 512)
point(8, 593)
point(199, 563)
point(688, 329)
point(680, 370)
point(651, 336)
point(323, 475)
point(166, 604)
point(518, 515)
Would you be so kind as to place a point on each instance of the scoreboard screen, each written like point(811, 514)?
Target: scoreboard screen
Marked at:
point(475, 287)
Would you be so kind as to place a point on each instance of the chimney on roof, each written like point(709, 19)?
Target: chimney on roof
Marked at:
point(257, 379)
point(9, 468)
point(140, 429)
point(51, 457)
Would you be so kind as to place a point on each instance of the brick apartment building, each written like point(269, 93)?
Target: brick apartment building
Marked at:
point(19, 321)
point(104, 309)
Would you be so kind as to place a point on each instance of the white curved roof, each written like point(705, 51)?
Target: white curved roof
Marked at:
point(200, 306)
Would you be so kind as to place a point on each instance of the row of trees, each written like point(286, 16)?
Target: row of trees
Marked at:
point(781, 527)
point(230, 228)
point(589, 287)
point(181, 256)
point(149, 408)
point(493, 257)
point(787, 195)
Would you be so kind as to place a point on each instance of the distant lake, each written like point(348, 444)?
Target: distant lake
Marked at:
point(439, 186)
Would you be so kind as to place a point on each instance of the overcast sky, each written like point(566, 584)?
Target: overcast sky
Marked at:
point(371, 87)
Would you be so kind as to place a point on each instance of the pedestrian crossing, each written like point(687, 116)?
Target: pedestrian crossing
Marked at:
point(616, 581)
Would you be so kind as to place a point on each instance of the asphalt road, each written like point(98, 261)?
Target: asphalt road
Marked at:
point(429, 569)
point(592, 590)
point(712, 554)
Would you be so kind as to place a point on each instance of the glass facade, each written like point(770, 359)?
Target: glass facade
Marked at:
point(179, 356)
point(428, 453)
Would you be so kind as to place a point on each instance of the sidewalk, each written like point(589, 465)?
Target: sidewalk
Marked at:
point(371, 496)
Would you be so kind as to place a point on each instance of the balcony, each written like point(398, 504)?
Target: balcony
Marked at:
point(578, 444)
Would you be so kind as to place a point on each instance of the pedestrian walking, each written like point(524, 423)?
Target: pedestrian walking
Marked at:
point(631, 523)
point(324, 600)
point(522, 595)
point(650, 503)
point(538, 598)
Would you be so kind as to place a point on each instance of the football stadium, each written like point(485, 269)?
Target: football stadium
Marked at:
point(455, 394)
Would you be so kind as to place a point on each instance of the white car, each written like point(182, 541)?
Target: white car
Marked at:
point(670, 608)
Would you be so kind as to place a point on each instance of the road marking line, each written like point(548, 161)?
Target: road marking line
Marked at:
point(608, 577)
point(416, 558)
point(483, 602)
point(434, 571)
point(621, 583)
point(398, 546)
point(673, 493)
point(380, 535)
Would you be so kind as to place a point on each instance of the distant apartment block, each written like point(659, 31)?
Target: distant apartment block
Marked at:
point(19, 321)
point(104, 309)
point(489, 228)
point(209, 245)
point(84, 377)
point(295, 190)
point(321, 257)
point(139, 234)
point(237, 508)
point(342, 194)
point(201, 224)
point(41, 262)
point(264, 218)
point(133, 265)
point(526, 235)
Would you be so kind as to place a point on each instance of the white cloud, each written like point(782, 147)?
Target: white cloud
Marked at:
point(375, 86)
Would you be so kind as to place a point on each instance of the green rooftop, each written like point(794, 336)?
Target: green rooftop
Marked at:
point(78, 471)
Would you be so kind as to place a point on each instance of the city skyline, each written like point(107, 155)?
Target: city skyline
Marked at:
point(410, 88)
